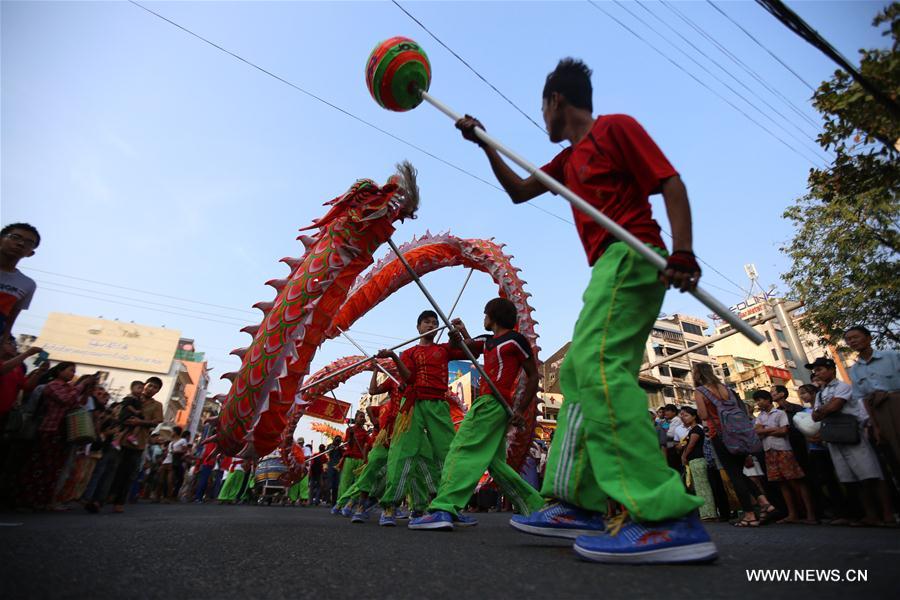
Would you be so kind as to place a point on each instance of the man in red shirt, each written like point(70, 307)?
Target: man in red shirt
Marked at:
point(425, 417)
point(480, 442)
point(354, 457)
point(604, 446)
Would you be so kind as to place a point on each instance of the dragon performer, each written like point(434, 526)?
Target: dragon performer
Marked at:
point(255, 412)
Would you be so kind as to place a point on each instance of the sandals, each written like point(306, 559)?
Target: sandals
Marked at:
point(747, 523)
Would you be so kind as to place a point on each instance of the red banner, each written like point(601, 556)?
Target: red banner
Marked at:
point(778, 373)
point(323, 407)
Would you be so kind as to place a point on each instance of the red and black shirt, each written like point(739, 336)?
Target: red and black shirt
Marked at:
point(427, 364)
point(503, 359)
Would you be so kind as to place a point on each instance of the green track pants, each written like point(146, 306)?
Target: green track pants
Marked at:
point(480, 444)
point(428, 424)
point(604, 445)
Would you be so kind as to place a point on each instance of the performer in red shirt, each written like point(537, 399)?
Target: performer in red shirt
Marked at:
point(604, 447)
point(425, 417)
point(480, 442)
point(352, 461)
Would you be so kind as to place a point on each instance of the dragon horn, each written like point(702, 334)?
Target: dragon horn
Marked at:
point(264, 306)
point(230, 376)
point(239, 352)
point(278, 284)
point(251, 329)
point(307, 241)
point(291, 262)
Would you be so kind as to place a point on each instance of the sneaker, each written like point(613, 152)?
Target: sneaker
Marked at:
point(387, 518)
point(674, 541)
point(335, 510)
point(464, 520)
point(347, 511)
point(439, 519)
point(560, 519)
point(402, 515)
point(360, 516)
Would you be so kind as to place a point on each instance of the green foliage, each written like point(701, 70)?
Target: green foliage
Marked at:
point(847, 244)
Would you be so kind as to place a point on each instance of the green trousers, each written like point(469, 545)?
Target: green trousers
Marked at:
point(410, 468)
point(372, 478)
point(299, 491)
point(234, 481)
point(480, 444)
point(349, 474)
point(702, 488)
point(604, 445)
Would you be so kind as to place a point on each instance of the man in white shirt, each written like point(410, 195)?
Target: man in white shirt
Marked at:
point(855, 464)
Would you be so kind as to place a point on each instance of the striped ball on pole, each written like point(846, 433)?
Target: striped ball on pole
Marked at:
point(396, 72)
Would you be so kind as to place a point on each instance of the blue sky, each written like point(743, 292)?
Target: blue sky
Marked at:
point(152, 161)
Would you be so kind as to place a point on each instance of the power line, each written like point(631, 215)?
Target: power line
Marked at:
point(804, 133)
point(795, 23)
point(694, 77)
point(761, 45)
point(746, 68)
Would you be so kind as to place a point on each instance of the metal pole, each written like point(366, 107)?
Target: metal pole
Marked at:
point(611, 226)
point(364, 361)
point(366, 354)
point(458, 298)
point(793, 338)
point(446, 321)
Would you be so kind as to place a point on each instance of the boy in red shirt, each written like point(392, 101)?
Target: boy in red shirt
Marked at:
point(425, 416)
point(604, 447)
point(480, 442)
point(354, 457)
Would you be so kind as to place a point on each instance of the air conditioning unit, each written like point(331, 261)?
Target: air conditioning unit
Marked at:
point(791, 364)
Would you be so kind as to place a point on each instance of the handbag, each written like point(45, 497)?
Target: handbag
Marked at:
point(840, 429)
point(80, 426)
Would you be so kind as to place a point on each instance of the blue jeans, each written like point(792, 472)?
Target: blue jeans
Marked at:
point(202, 482)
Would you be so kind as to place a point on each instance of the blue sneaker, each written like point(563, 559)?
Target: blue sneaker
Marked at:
point(387, 518)
point(439, 519)
point(559, 519)
point(464, 520)
point(401, 514)
point(347, 511)
point(675, 541)
point(335, 510)
point(361, 515)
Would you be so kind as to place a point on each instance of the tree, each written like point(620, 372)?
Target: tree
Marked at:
point(847, 244)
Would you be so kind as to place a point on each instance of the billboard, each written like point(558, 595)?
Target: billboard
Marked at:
point(100, 342)
point(462, 387)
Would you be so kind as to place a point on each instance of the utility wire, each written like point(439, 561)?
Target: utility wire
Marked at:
point(806, 136)
point(763, 46)
point(694, 77)
point(743, 65)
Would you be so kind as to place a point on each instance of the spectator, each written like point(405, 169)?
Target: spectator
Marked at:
point(316, 468)
point(179, 449)
point(795, 438)
point(694, 462)
point(709, 396)
point(165, 478)
point(17, 241)
point(822, 478)
point(855, 462)
point(106, 424)
point(13, 380)
point(674, 428)
point(206, 465)
point(43, 471)
point(876, 382)
point(333, 476)
point(131, 455)
point(781, 465)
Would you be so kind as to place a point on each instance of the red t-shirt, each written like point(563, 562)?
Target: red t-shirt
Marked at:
point(428, 369)
point(356, 438)
point(503, 359)
point(10, 384)
point(208, 458)
point(614, 168)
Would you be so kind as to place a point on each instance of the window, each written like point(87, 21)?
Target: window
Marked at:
point(702, 351)
point(691, 328)
point(780, 335)
point(659, 351)
point(664, 371)
point(787, 354)
point(768, 337)
point(725, 371)
point(668, 392)
point(774, 354)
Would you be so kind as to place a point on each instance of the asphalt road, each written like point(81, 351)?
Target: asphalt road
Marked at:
point(210, 551)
